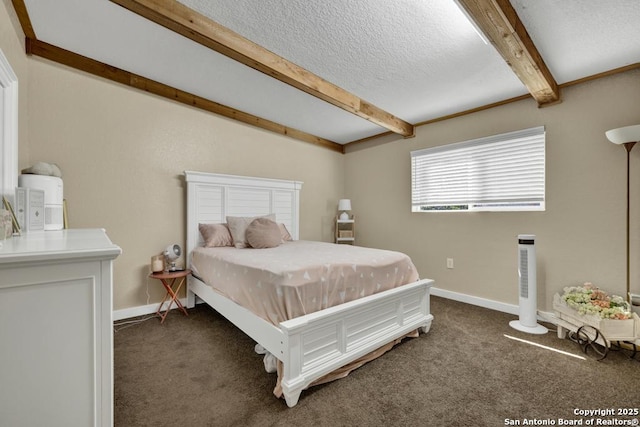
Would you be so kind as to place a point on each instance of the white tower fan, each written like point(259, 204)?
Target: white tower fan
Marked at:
point(527, 287)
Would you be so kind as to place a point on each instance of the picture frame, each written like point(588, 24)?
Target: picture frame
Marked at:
point(14, 220)
point(65, 215)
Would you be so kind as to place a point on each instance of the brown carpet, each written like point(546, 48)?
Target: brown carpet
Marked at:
point(201, 371)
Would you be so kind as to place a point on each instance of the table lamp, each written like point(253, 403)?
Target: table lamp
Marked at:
point(344, 205)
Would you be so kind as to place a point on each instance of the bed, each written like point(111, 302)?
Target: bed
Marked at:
point(309, 346)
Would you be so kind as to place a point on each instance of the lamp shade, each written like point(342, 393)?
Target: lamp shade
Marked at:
point(624, 134)
point(344, 205)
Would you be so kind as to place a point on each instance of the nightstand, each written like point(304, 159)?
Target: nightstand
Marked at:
point(346, 230)
point(172, 282)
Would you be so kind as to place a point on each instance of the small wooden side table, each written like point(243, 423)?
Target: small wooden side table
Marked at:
point(169, 280)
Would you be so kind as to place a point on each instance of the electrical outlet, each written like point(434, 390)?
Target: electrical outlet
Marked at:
point(449, 262)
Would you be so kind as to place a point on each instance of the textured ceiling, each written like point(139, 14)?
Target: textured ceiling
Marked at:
point(579, 38)
point(416, 59)
point(402, 58)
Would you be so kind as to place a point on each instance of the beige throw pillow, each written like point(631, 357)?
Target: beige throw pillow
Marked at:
point(215, 235)
point(286, 236)
point(263, 233)
point(238, 228)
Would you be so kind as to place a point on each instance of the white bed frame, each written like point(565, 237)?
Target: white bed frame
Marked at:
point(316, 344)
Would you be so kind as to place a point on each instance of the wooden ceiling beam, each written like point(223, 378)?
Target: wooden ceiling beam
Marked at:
point(23, 18)
point(197, 27)
point(500, 23)
point(100, 69)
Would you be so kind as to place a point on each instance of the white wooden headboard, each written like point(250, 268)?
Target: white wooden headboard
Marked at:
point(212, 197)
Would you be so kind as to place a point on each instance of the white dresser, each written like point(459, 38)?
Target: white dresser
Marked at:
point(56, 332)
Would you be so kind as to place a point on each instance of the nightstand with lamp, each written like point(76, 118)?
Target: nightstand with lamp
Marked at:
point(345, 224)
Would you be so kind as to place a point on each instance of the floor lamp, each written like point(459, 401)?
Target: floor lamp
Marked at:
point(626, 136)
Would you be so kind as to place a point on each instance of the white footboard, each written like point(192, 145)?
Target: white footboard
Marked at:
point(314, 345)
point(321, 342)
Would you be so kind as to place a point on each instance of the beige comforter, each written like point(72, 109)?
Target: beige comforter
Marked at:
point(300, 277)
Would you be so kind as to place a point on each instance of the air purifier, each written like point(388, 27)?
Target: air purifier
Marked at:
point(53, 200)
point(527, 287)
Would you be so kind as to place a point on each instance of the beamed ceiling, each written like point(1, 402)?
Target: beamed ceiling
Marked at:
point(339, 72)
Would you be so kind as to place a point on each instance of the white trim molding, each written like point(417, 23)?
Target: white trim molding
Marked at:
point(142, 310)
point(8, 129)
point(490, 304)
point(470, 299)
point(544, 316)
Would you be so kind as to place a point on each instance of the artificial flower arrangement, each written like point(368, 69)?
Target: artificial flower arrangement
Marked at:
point(588, 299)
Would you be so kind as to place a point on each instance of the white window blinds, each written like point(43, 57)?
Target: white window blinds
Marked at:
point(500, 172)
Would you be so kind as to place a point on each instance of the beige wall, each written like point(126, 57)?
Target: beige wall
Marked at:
point(580, 236)
point(122, 153)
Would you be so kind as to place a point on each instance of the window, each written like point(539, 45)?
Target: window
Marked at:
point(498, 173)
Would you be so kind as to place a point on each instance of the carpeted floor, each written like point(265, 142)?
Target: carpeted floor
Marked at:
point(201, 371)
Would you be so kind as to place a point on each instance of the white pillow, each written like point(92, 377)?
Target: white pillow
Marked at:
point(238, 228)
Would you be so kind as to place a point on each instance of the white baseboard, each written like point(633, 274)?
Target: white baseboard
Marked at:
point(142, 310)
point(490, 304)
point(481, 302)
